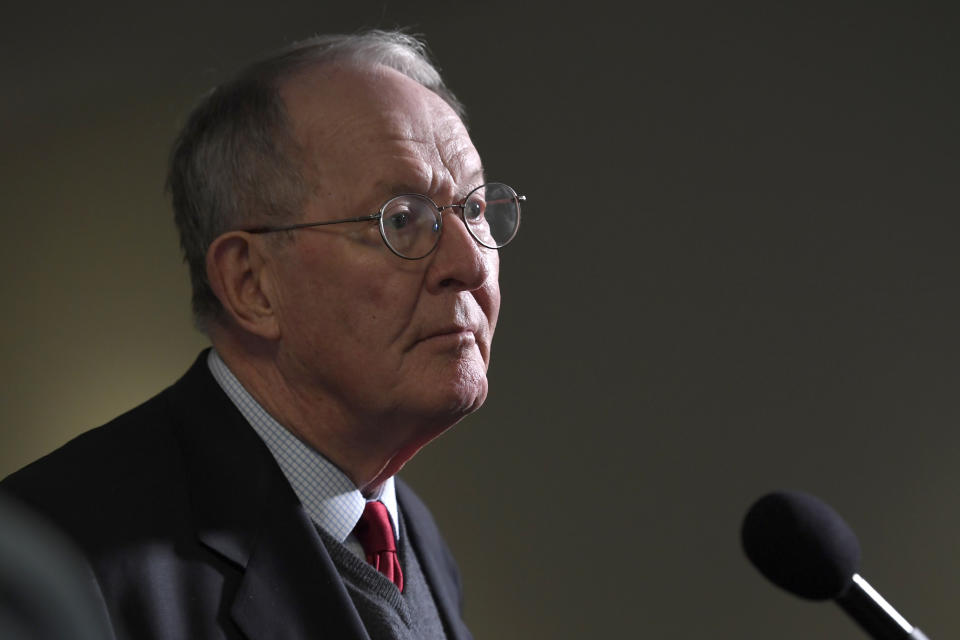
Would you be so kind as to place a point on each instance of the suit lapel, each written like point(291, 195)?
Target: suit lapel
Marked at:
point(291, 589)
point(245, 510)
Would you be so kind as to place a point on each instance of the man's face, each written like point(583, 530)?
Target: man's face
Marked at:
point(396, 349)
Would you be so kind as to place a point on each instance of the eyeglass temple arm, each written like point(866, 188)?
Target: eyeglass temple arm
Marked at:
point(304, 225)
point(502, 200)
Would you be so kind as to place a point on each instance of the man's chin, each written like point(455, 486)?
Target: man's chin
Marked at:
point(432, 422)
point(470, 390)
point(455, 400)
point(461, 400)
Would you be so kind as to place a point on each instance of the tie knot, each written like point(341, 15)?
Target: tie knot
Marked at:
point(375, 531)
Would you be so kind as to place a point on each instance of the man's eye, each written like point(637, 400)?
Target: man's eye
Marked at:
point(398, 220)
point(474, 209)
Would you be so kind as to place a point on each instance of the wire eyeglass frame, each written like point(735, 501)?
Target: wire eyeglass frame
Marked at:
point(439, 209)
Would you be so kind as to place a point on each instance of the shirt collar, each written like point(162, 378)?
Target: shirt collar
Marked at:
point(328, 496)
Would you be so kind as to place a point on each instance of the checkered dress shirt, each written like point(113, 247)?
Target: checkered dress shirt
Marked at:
point(326, 493)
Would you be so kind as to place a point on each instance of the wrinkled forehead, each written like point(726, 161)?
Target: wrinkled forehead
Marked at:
point(350, 120)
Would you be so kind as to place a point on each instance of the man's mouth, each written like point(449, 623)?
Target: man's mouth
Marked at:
point(453, 334)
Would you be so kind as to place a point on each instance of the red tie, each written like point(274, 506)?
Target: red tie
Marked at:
point(375, 533)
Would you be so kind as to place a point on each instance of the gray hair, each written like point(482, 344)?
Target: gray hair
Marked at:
point(235, 162)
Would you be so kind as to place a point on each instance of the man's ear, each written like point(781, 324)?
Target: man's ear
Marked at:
point(239, 276)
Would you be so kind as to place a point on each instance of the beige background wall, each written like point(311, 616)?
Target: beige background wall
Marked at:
point(738, 271)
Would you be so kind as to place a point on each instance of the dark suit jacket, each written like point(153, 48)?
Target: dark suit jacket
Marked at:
point(192, 530)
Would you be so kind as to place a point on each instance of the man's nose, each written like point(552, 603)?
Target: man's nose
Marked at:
point(459, 262)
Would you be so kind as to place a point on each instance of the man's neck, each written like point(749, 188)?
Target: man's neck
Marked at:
point(311, 417)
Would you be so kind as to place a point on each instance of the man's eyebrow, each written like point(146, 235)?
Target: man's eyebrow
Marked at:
point(479, 177)
point(476, 179)
point(389, 189)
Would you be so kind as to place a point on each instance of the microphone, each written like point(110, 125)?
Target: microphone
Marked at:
point(802, 545)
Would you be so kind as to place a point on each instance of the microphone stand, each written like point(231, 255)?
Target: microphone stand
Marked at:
point(877, 617)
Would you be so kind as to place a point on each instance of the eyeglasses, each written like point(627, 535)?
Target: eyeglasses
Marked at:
point(410, 224)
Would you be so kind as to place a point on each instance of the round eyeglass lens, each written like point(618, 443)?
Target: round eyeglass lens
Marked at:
point(492, 214)
point(410, 225)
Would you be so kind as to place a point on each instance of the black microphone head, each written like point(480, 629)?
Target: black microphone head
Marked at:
point(800, 544)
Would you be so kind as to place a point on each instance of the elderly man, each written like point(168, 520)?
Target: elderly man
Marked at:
point(342, 246)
